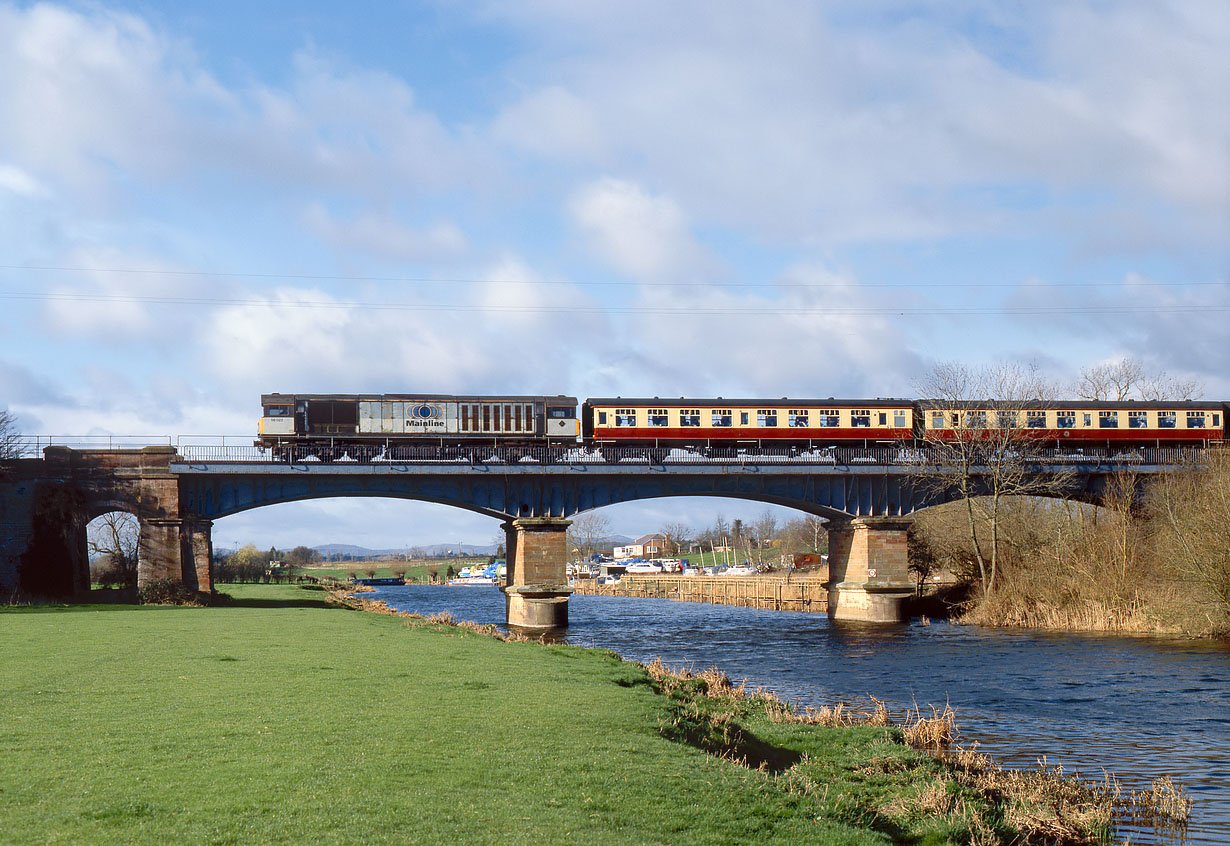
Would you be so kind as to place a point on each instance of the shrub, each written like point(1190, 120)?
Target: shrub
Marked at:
point(167, 592)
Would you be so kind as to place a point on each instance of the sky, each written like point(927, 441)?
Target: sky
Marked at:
point(201, 202)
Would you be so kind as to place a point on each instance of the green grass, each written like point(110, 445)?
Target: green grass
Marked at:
point(384, 569)
point(282, 719)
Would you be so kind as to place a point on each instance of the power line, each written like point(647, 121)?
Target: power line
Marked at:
point(682, 310)
point(423, 280)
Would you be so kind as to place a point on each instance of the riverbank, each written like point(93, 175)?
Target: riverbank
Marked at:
point(771, 591)
point(281, 718)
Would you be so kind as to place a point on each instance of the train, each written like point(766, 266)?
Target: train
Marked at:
point(362, 426)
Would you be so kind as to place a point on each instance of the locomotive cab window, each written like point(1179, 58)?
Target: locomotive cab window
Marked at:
point(625, 417)
point(1166, 419)
point(563, 412)
point(1108, 420)
point(766, 417)
point(1138, 420)
point(1195, 419)
point(689, 417)
point(798, 418)
point(1035, 419)
point(860, 418)
point(278, 410)
point(721, 418)
point(1065, 420)
point(658, 417)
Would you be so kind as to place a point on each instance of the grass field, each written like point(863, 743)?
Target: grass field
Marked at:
point(283, 719)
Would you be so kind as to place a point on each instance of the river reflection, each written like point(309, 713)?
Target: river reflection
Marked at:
point(1138, 707)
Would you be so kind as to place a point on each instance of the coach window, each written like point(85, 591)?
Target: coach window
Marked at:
point(1035, 419)
point(937, 420)
point(601, 418)
point(1065, 420)
point(898, 419)
point(1216, 419)
point(721, 418)
point(1195, 419)
point(860, 418)
point(829, 418)
point(743, 417)
point(1088, 419)
point(883, 418)
point(766, 417)
point(1138, 420)
point(625, 417)
point(689, 417)
point(657, 417)
point(797, 418)
point(1108, 420)
point(976, 420)
point(1166, 419)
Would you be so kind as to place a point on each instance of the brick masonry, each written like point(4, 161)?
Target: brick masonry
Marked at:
point(869, 569)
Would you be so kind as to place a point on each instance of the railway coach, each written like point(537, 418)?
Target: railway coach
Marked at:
point(1077, 423)
point(723, 424)
point(334, 426)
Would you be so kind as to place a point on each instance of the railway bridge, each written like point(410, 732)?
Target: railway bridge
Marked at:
point(866, 495)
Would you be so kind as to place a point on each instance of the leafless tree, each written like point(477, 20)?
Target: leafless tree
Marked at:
point(12, 445)
point(115, 537)
point(1127, 378)
point(985, 451)
point(587, 533)
point(678, 536)
point(765, 530)
point(1193, 508)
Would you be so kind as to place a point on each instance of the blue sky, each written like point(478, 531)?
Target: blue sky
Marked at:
point(201, 202)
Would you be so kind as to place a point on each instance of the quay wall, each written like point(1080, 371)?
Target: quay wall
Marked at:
point(774, 593)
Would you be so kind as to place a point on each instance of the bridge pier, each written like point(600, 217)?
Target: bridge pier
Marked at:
point(869, 570)
point(536, 589)
point(178, 550)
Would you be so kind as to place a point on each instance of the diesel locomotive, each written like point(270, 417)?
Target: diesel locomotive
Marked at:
point(363, 425)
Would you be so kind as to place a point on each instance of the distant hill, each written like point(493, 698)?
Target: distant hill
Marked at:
point(435, 550)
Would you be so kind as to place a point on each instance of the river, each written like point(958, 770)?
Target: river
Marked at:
point(1138, 707)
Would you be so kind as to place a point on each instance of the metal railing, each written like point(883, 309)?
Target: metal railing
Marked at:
point(569, 455)
point(238, 449)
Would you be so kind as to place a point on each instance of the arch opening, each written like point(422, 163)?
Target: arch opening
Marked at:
point(112, 541)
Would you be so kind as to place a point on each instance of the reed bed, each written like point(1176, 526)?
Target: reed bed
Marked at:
point(773, 593)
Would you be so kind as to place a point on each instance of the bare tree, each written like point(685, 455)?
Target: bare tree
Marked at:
point(12, 445)
point(765, 530)
point(1127, 378)
point(678, 535)
point(587, 533)
point(984, 450)
point(115, 537)
point(1193, 507)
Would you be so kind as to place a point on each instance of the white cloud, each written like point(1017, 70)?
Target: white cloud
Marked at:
point(18, 181)
point(644, 236)
point(384, 236)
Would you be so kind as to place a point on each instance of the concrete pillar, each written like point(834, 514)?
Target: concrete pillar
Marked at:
point(536, 590)
point(869, 569)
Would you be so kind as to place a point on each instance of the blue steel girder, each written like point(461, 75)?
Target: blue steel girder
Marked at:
point(502, 491)
point(518, 490)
